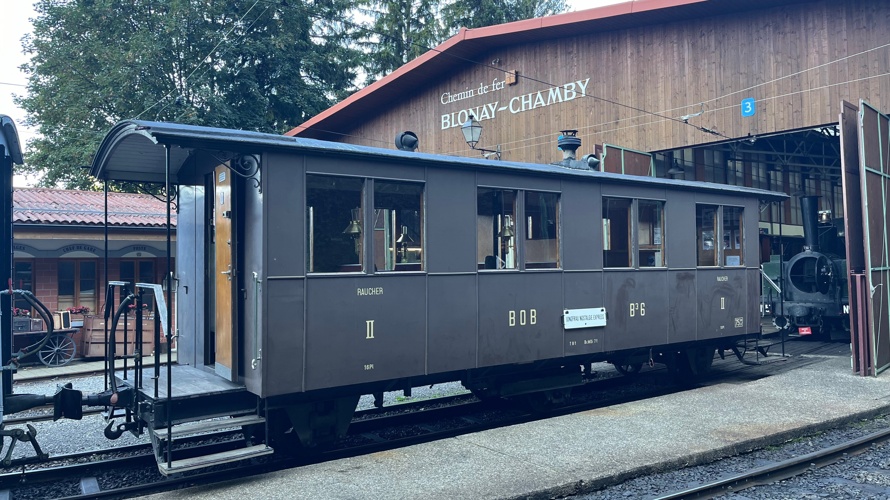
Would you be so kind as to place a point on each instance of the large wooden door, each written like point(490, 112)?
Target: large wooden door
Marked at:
point(226, 353)
point(866, 179)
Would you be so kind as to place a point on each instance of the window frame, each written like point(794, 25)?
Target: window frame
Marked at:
point(78, 301)
point(365, 217)
point(723, 238)
point(633, 233)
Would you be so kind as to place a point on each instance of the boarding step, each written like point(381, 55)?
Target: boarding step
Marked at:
point(198, 427)
point(201, 462)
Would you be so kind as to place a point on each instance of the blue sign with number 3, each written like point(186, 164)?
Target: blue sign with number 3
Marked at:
point(749, 107)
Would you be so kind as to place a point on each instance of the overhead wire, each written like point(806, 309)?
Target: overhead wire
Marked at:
point(203, 60)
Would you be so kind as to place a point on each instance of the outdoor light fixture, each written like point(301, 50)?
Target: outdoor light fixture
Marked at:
point(676, 169)
point(354, 230)
point(472, 131)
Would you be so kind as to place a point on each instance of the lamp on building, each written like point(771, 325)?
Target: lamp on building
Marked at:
point(472, 131)
point(676, 170)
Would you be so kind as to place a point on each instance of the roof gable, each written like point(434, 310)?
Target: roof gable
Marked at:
point(466, 46)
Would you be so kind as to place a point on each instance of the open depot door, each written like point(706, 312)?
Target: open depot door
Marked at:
point(865, 167)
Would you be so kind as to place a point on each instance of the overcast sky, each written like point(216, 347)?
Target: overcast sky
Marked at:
point(15, 24)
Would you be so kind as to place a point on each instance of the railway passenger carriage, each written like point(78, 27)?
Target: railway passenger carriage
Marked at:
point(309, 273)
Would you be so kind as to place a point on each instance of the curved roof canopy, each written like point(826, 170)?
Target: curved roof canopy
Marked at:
point(9, 139)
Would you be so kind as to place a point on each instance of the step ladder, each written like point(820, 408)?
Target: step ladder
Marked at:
point(159, 443)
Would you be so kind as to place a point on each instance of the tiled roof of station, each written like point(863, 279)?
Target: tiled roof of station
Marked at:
point(87, 208)
point(470, 45)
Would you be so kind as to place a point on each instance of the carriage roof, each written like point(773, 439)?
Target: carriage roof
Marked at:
point(134, 150)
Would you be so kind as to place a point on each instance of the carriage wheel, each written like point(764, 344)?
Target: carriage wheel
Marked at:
point(57, 351)
point(628, 369)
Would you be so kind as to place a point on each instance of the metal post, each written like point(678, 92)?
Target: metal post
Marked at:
point(6, 266)
point(169, 283)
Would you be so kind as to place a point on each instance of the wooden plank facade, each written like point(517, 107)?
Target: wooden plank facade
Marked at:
point(798, 61)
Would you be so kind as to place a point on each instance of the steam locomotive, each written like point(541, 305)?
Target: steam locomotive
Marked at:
point(811, 295)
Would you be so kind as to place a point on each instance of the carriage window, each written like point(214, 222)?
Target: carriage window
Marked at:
point(616, 232)
point(542, 230)
point(732, 236)
point(335, 233)
point(723, 243)
point(398, 236)
point(706, 227)
point(650, 233)
point(496, 229)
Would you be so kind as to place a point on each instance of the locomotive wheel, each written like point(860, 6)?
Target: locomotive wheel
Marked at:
point(58, 350)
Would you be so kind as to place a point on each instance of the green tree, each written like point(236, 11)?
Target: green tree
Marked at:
point(399, 31)
point(249, 64)
point(479, 13)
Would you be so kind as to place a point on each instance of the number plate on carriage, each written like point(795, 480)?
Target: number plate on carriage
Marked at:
point(584, 318)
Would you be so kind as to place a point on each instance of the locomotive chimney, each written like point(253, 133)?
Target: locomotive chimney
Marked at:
point(809, 207)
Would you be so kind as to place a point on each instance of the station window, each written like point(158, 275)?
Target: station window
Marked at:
point(77, 284)
point(23, 279)
point(140, 271)
point(398, 235)
point(542, 230)
point(723, 242)
point(650, 233)
point(334, 221)
point(496, 228)
point(616, 232)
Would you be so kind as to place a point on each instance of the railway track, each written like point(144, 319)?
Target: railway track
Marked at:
point(782, 470)
point(376, 430)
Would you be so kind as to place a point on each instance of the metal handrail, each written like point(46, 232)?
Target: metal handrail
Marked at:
point(770, 281)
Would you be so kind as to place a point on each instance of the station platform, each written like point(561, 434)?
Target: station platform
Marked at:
point(583, 451)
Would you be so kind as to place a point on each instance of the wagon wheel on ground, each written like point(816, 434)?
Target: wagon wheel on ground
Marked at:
point(58, 350)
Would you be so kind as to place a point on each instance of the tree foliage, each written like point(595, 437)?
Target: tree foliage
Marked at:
point(479, 13)
point(246, 64)
point(399, 31)
point(264, 65)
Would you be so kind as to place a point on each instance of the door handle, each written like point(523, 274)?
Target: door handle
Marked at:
point(227, 273)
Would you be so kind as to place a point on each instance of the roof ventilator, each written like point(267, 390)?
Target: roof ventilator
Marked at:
point(569, 142)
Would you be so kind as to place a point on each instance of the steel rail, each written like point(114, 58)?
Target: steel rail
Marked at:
point(782, 470)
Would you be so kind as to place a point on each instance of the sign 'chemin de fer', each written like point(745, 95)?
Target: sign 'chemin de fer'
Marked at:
point(526, 102)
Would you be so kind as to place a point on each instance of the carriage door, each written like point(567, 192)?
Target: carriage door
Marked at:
point(225, 274)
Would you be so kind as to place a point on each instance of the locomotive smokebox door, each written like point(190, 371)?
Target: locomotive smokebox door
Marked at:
point(225, 277)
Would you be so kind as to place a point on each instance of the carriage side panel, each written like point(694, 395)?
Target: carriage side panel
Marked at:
point(520, 317)
point(274, 297)
point(582, 233)
point(450, 210)
point(584, 290)
point(452, 323)
point(364, 329)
